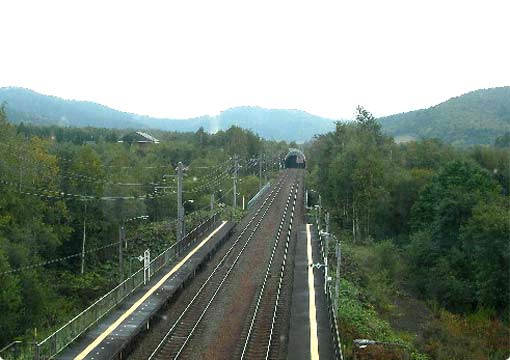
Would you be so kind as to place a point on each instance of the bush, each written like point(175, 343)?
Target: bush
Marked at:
point(477, 336)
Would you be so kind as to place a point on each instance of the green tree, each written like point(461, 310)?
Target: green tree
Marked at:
point(10, 301)
point(447, 201)
point(503, 141)
point(444, 207)
point(485, 240)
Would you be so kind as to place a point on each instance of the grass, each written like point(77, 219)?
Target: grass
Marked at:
point(368, 288)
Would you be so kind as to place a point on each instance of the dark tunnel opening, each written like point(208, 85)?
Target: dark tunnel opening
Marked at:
point(295, 161)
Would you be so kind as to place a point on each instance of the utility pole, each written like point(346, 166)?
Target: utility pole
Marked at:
point(212, 201)
point(84, 239)
point(180, 208)
point(20, 178)
point(337, 277)
point(320, 209)
point(265, 169)
point(271, 160)
point(328, 236)
point(235, 181)
point(146, 266)
point(260, 171)
point(121, 260)
point(326, 252)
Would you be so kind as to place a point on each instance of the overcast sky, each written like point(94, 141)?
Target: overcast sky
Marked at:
point(187, 58)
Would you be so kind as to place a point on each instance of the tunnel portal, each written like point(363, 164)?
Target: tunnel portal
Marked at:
point(295, 159)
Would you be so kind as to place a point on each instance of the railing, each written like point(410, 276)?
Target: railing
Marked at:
point(176, 249)
point(65, 335)
point(332, 311)
point(258, 195)
point(11, 351)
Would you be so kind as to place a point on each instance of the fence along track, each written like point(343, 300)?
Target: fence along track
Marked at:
point(65, 335)
point(176, 339)
point(262, 338)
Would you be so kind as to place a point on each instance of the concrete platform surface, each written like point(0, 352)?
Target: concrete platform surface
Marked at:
point(309, 334)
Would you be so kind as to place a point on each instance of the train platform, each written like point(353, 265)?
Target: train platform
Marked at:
point(309, 333)
point(108, 338)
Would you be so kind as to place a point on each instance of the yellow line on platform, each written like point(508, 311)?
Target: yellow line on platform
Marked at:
point(124, 316)
point(312, 310)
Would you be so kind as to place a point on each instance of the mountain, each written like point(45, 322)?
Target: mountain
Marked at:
point(477, 117)
point(23, 105)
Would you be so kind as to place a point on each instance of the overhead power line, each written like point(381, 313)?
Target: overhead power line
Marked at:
point(57, 260)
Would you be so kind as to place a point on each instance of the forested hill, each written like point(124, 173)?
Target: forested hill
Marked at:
point(477, 117)
point(23, 105)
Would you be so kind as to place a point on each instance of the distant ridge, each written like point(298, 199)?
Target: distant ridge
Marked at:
point(24, 105)
point(477, 117)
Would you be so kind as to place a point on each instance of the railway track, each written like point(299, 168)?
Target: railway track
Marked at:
point(267, 324)
point(177, 338)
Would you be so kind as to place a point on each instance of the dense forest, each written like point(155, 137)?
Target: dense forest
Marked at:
point(477, 117)
point(23, 105)
point(425, 228)
point(58, 184)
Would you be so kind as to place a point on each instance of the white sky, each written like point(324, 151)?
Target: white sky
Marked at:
point(188, 58)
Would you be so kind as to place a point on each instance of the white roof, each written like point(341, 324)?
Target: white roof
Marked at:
point(148, 137)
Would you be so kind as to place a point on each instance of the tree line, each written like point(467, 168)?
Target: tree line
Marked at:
point(56, 183)
point(444, 210)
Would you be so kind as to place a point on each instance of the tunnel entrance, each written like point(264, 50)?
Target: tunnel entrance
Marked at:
point(295, 159)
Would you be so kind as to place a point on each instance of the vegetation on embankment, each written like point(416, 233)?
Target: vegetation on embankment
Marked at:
point(376, 303)
point(425, 227)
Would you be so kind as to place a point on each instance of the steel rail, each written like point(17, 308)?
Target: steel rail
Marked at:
point(271, 197)
point(282, 273)
point(226, 275)
point(261, 293)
